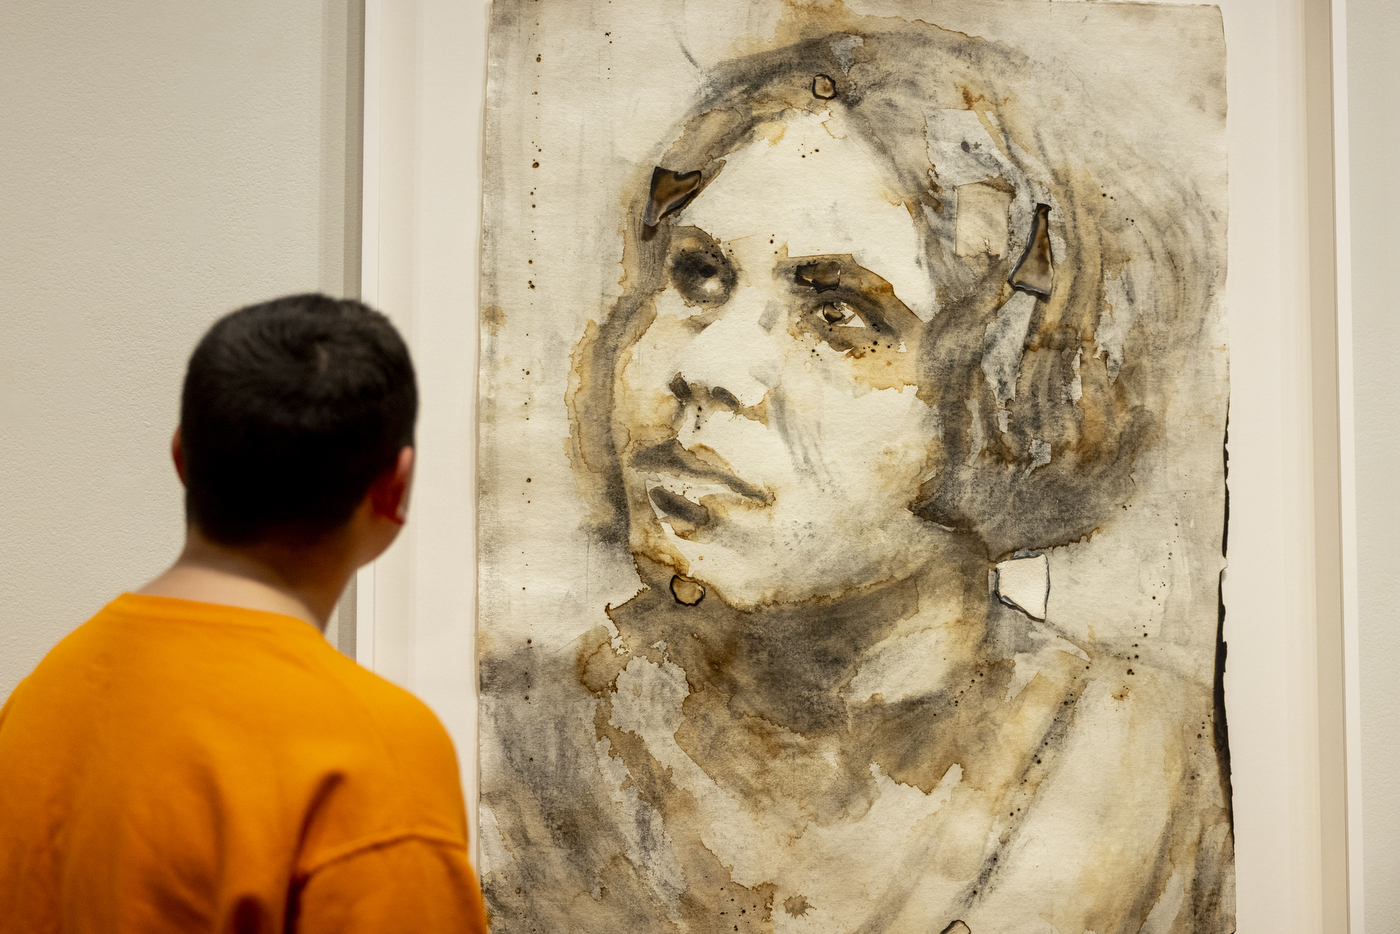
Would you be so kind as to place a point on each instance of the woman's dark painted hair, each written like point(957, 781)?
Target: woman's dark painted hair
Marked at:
point(290, 410)
point(1141, 256)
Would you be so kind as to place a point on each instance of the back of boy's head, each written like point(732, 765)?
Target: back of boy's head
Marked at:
point(290, 410)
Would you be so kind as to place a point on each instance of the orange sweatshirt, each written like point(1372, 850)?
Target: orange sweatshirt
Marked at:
point(179, 766)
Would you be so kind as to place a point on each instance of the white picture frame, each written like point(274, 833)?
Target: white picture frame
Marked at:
point(1292, 691)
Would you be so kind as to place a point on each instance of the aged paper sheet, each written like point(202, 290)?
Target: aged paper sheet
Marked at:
point(852, 509)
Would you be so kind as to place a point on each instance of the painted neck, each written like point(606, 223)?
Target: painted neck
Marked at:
point(802, 665)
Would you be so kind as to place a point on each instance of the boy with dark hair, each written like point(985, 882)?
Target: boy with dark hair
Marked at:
point(196, 757)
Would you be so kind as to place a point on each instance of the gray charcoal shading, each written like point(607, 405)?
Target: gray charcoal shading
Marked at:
point(992, 334)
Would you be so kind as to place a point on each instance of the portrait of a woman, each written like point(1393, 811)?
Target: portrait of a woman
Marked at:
point(902, 356)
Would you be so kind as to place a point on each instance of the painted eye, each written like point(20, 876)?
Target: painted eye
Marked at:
point(839, 314)
point(703, 277)
point(848, 327)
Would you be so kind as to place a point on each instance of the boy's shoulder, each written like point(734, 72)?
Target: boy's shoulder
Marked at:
point(236, 711)
point(210, 674)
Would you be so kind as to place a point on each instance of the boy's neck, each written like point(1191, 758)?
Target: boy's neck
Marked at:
point(303, 581)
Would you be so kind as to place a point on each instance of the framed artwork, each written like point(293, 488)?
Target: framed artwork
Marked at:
point(849, 485)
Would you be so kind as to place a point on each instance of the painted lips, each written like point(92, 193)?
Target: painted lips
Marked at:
point(676, 507)
point(679, 479)
point(671, 460)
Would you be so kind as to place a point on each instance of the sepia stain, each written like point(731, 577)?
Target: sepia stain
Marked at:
point(670, 191)
point(687, 592)
point(1035, 271)
point(822, 277)
point(796, 905)
point(494, 317)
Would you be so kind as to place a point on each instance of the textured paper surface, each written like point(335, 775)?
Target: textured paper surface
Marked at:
point(853, 403)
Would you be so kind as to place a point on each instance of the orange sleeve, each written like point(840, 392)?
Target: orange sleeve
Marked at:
point(412, 885)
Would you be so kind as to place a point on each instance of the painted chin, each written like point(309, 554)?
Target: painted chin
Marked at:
point(753, 554)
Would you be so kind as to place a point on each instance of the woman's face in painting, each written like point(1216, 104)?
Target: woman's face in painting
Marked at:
point(769, 423)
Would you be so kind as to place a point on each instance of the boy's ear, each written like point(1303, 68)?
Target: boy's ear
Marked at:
point(388, 495)
point(177, 454)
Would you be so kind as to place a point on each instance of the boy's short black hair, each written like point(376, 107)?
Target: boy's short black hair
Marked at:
point(290, 410)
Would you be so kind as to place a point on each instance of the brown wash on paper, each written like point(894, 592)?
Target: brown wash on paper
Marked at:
point(902, 322)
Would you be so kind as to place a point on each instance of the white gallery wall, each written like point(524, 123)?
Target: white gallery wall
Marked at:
point(164, 161)
point(161, 162)
point(1373, 85)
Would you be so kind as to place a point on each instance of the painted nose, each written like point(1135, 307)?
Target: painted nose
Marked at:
point(737, 357)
